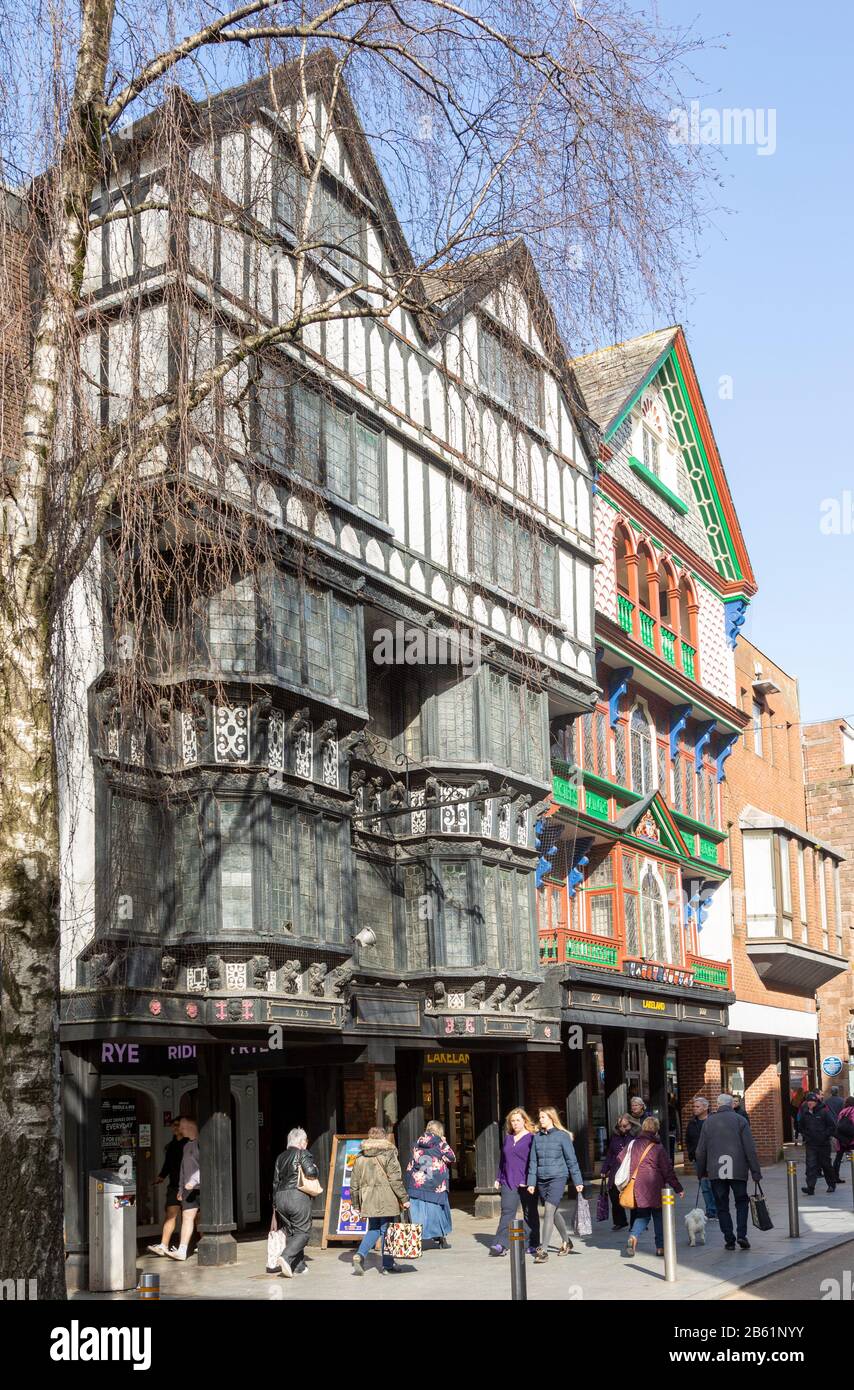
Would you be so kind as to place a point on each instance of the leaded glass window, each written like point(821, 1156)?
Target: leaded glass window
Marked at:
point(641, 744)
point(690, 780)
point(416, 921)
point(674, 917)
point(457, 916)
point(455, 720)
point(188, 859)
point(375, 906)
point(490, 919)
point(368, 461)
point(630, 908)
point(306, 453)
point(525, 952)
point(135, 848)
point(620, 768)
point(345, 651)
point(282, 868)
point(506, 919)
point(653, 940)
point(602, 914)
point(285, 626)
point(235, 875)
point(232, 627)
point(663, 779)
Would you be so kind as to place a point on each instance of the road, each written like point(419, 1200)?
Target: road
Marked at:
point(827, 1276)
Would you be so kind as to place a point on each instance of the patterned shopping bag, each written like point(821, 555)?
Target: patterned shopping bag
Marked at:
point(603, 1206)
point(583, 1224)
point(403, 1239)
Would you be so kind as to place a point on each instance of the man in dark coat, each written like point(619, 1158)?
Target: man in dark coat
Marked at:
point(834, 1102)
point(726, 1153)
point(817, 1127)
point(693, 1130)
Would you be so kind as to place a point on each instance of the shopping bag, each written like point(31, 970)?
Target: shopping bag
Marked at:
point(276, 1241)
point(403, 1239)
point(759, 1210)
point(624, 1171)
point(602, 1203)
point(583, 1223)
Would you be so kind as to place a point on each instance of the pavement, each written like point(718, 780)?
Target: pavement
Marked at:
point(596, 1270)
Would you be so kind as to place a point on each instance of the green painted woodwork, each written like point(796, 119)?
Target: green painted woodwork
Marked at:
point(565, 793)
point(592, 952)
point(596, 805)
point(647, 630)
point(625, 609)
point(708, 850)
point(668, 646)
point(711, 975)
point(688, 654)
point(653, 480)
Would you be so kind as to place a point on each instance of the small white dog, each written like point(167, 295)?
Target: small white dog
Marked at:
point(695, 1224)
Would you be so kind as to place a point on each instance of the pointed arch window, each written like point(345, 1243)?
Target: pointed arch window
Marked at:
point(643, 777)
point(652, 912)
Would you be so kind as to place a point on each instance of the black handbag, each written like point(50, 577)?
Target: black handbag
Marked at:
point(759, 1210)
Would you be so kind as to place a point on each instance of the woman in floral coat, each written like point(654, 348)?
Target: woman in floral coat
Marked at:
point(427, 1182)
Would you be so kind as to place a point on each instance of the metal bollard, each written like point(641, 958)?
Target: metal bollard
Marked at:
point(668, 1214)
point(850, 1156)
point(518, 1275)
point(149, 1287)
point(792, 1188)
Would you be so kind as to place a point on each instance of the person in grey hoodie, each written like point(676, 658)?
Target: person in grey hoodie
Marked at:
point(726, 1154)
point(188, 1186)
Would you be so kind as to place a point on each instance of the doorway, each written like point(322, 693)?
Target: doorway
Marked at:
point(449, 1097)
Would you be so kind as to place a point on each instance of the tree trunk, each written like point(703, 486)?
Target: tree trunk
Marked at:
point(31, 1208)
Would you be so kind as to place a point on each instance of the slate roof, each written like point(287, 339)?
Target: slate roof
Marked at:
point(610, 376)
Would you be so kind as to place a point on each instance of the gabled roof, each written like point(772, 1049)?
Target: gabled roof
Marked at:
point(613, 378)
point(609, 377)
point(442, 295)
point(652, 812)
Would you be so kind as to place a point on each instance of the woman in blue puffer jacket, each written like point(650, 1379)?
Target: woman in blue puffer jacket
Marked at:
point(552, 1161)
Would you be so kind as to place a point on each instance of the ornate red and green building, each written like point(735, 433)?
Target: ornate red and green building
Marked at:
point(634, 903)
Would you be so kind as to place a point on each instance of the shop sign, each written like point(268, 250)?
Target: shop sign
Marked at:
point(447, 1059)
point(656, 1005)
point(664, 1008)
point(659, 974)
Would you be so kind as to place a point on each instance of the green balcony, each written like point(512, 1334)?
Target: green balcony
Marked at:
point(688, 654)
point(717, 976)
point(565, 792)
point(625, 609)
point(647, 630)
point(591, 952)
point(668, 646)
point(708, 850)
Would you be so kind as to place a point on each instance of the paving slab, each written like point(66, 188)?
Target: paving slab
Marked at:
point(596, 1270)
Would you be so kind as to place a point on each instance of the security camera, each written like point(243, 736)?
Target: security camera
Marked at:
point(366, 937)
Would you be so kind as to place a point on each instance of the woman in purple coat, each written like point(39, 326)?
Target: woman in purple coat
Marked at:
point(611, 1162)
point(511, 1183)
point(652, 1169)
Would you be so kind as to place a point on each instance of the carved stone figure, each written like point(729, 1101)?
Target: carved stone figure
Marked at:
point(200, 711)
point(263, 708)
point(340, 978)
point(512, 1000)
point(439, 997)
point(495, 998)
point(234, 1010)
point(259, 967)
point(530, 1000)
point(164, 719)
point(474, 996)
point(214, 965)
point(168, 972)
point(289, 976)
point(297, 722)
point(316, 979)
point(326, 730)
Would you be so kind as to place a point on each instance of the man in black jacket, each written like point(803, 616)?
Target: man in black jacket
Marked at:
point(817, 1128)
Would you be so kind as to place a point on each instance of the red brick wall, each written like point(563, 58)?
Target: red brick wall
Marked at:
point(762, 1096)
point(698, 1062)
point(830, 808)
point(360, 1110)
point(545, 1082)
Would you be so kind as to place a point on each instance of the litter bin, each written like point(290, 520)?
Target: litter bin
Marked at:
point(112, 1231)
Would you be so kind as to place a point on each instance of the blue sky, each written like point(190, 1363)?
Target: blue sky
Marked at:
point(772, 306)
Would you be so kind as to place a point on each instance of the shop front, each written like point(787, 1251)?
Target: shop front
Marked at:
point(622, 1039)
